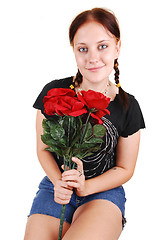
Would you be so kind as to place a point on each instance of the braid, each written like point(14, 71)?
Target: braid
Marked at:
point(78, 79)
point(117, 72)
point(122, 94)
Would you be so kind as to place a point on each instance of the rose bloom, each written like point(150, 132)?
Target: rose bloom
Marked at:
point(97, 101)
point(63, 102)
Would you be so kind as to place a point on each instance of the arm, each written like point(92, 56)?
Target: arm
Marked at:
point(46, 159)
point(127, 152)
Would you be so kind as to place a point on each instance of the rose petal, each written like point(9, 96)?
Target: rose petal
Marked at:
point(78, 112)
point(97, 118)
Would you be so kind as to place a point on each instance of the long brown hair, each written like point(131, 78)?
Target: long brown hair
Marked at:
point(109, 21)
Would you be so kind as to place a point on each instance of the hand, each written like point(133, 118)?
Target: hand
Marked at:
point(75, 178)
point(62, 192)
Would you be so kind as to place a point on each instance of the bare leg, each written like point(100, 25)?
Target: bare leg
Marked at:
point(98, 219)
point(43, 227)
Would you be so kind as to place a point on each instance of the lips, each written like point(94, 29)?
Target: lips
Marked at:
point(94, 69)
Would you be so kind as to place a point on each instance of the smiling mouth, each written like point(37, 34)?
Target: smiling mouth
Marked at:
point(95, 68)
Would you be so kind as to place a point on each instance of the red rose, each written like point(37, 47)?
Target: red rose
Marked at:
point(63, 102)
point(56, 92)
point(97, 101)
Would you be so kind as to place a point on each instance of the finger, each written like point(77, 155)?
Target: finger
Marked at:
point(74, 184)
point(70, 172)
point(64, 191)
point(63, 196)
point(62, 186)
point(63, 168)
point(74, 178)
point(78, 162)
point(58, 200)
point(72, 175)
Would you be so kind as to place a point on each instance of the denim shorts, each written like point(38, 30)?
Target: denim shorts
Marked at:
point(44, 203)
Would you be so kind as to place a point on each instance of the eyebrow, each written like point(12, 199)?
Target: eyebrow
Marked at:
point(82, 43)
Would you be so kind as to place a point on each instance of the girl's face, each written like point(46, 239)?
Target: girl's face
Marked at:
point(95, 50)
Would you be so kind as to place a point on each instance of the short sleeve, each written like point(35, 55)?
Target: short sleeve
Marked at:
point(134, 120)
point(39, 101)
point(58, 83)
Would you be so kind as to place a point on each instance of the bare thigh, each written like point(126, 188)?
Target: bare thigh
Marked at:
point(98, 219)
point(43, 227)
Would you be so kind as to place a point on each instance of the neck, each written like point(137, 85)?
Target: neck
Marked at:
point(95, 86)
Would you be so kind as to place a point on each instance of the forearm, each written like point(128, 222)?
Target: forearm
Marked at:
point(49, 165)
point(106, 181)
point(46, 159)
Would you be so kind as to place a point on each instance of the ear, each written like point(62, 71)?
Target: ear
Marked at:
point(118, 47)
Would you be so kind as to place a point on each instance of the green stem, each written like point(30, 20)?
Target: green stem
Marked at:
point(66, 164)
point(62, 221)
point(69, 127)
point(73, 166)
point(85, 128)
point(63, 206)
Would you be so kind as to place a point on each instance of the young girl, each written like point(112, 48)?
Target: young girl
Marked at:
point(93, 192)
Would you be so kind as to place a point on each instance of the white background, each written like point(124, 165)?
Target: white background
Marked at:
point(34, 49)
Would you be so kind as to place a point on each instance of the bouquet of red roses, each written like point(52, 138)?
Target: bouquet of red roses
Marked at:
point(74, 127)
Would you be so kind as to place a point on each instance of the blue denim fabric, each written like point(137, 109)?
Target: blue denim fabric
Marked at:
point(44, 201)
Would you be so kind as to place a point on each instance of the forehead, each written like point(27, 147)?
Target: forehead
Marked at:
point(92, 32)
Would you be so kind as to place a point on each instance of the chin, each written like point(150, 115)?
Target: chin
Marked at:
point(95, 78)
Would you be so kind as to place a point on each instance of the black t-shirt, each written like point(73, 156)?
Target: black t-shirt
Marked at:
point(120, 122)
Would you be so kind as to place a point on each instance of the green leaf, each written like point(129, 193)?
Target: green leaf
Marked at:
point(55, 149)
point(94, 141)
point(51, 142)
point(63, 141)
point(46, 128)
point(51, 123)
point(45, 138)
point(99, 130)
point(86, 153)
point(57, 131)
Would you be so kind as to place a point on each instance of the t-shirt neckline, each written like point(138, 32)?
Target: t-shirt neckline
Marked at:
point(115, 98)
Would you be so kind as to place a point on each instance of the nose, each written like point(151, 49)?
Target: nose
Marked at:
point(93, 57)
